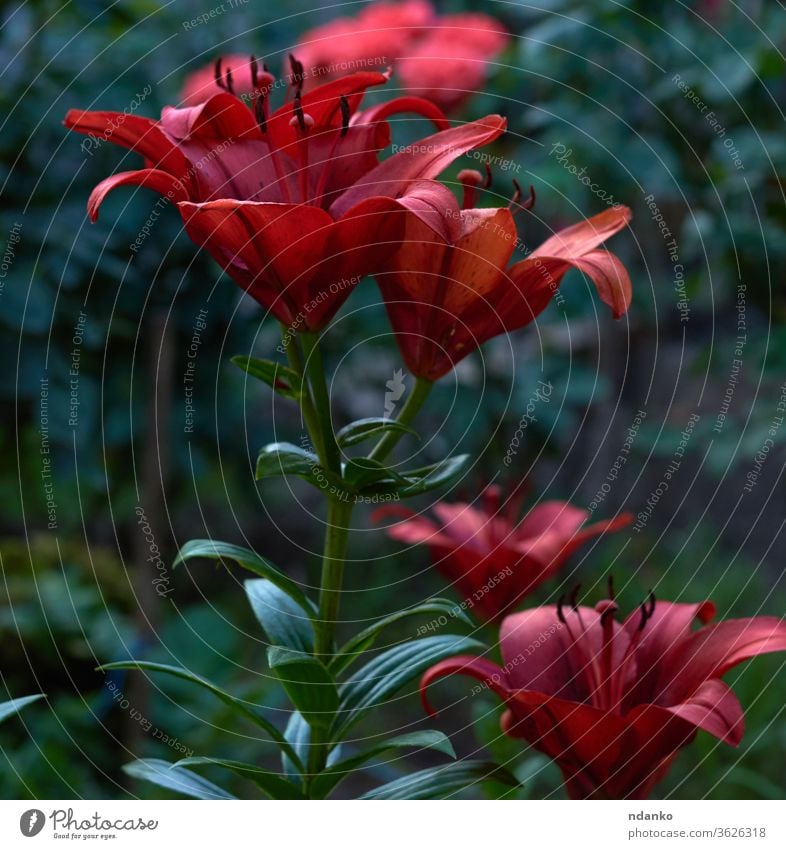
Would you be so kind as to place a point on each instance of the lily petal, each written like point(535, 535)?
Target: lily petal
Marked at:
point(424, 160)
point(151, 178)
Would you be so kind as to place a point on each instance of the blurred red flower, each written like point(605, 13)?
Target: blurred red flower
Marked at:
point(442, 57)
point(493, 557)
point(613, 703)
point(445, 296)
point(289, 202)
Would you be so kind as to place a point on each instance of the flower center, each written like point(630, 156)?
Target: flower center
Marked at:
point(601, 669)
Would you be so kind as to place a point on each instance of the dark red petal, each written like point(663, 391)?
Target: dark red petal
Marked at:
point(581, 238)
point(223, 116)
point(425, 159)
point(715, 709)
point(483, 670)
point(713, 650)
point(151, 178)
point(134, 132)
point(416, 105)
point(272, 249)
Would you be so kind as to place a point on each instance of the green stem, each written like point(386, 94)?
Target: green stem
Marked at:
point(315, 370)
point(306, 405)
point(411, 408)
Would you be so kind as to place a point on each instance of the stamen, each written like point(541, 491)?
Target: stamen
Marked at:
point(217, 75)
point(644, 616)
point(471, 180)
point(346, 114)
point(651, 605)
point(254, 72)
point(489, 178)
point(560, 612)
point(297, 74)
point(302, 119)
point(516, 199)
point(260, 110)
point(574, 595)
point(230, 87)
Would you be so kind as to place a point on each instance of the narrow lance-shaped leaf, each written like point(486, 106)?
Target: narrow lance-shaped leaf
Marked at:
point(442, 782)
point(250, 560)
point(379, 679)
point(283, 458)
point(363, 429)
point(362, 641)
point(308, 684)
point(15, 705)
point(273, 785)
point(165, 774)
point(236, 704)
point(285, 622)
point(331, 776)
point(277, 376)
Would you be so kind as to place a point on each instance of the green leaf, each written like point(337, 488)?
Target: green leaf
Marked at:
point(363, 472)
point(443, 781)
point(331, 776)
point(439, 607)
point(379, 679)
point(273, 785)
point(175, 778)
point(364, 429)
point(308, 684)
point(436, 475)
point(298, 735)
point(248, 560)
point(280, 378)
point(15, 705)
point(284, 620)
point(283, 458)
point(236, 704)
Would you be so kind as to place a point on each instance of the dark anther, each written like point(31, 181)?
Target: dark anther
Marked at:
point(489, 178)
point(345, 116)
point(297, 73)
point(610, 584)
point(297, 107)
point(574, 596)
point(560, 612)
point(529, 203)
point(644, 616)
point(217, 73)
point(230, 86)
point(651, 608)
point(254, 72)
point(608, 612)
point(259, 113)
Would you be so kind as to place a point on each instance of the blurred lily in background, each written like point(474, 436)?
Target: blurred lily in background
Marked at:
point(445, 58)
point(613, 702)
point(493, 557)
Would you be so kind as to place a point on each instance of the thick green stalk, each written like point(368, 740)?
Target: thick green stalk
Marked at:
point(306, 404)
point(407, 415)
point(315, 370)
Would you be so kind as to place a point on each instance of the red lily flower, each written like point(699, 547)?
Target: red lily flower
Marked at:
point(265, 192)
point(446, 296)
point(442, 57)
point(613, 703)
point(493, 558)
